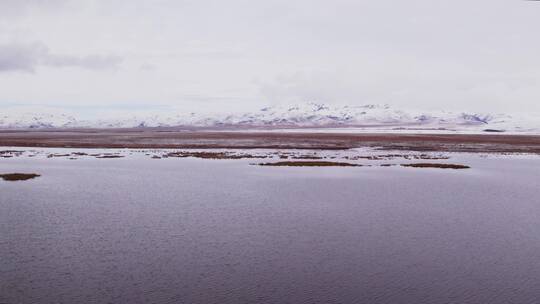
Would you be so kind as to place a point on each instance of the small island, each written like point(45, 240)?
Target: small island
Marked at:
point(18, 176)
point(310, 164)
point(440, 166)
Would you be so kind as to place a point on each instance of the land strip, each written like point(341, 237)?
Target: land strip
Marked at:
point(189, 139)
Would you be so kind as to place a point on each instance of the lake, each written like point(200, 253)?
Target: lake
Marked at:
point(141, 230)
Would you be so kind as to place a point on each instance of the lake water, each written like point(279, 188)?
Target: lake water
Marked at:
point(137, 230)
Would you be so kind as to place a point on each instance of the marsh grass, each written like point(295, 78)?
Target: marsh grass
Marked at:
point(18, 176)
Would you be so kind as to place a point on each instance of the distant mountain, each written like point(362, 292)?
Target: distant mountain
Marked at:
point(296, 116)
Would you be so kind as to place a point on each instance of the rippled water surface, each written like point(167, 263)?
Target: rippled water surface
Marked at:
point(201, 231)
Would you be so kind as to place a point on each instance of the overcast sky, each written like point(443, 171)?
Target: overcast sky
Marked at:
point(244, 54)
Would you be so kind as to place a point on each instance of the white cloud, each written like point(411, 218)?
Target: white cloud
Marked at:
point(20, 57)
point(15, 8)
point(27, 57)
point(416, 53)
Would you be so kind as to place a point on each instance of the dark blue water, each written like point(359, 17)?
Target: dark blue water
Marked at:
point(198, 231)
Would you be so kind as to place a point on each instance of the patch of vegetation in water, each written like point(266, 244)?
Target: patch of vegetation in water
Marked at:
point(18, 176)
point(440, 166)
point(79, 153)
point(58, 155)
point(307, 157)
point(10, 153)
point(310, 164)
point(110, 156)
point(394, 156)
point(212, 155)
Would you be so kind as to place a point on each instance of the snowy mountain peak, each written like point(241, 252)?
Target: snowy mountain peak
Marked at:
point(309, 114)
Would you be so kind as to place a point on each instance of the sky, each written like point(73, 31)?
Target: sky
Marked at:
point(461, 55)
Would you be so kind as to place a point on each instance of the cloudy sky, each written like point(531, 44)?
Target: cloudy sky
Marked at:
point(243, 54)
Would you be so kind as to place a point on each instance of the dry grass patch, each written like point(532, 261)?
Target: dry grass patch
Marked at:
point(110, 156)
point(18, 176)
point(440, 166)
point(309, 164)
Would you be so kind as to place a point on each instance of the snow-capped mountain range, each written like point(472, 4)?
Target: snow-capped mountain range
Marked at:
point(307, 115)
